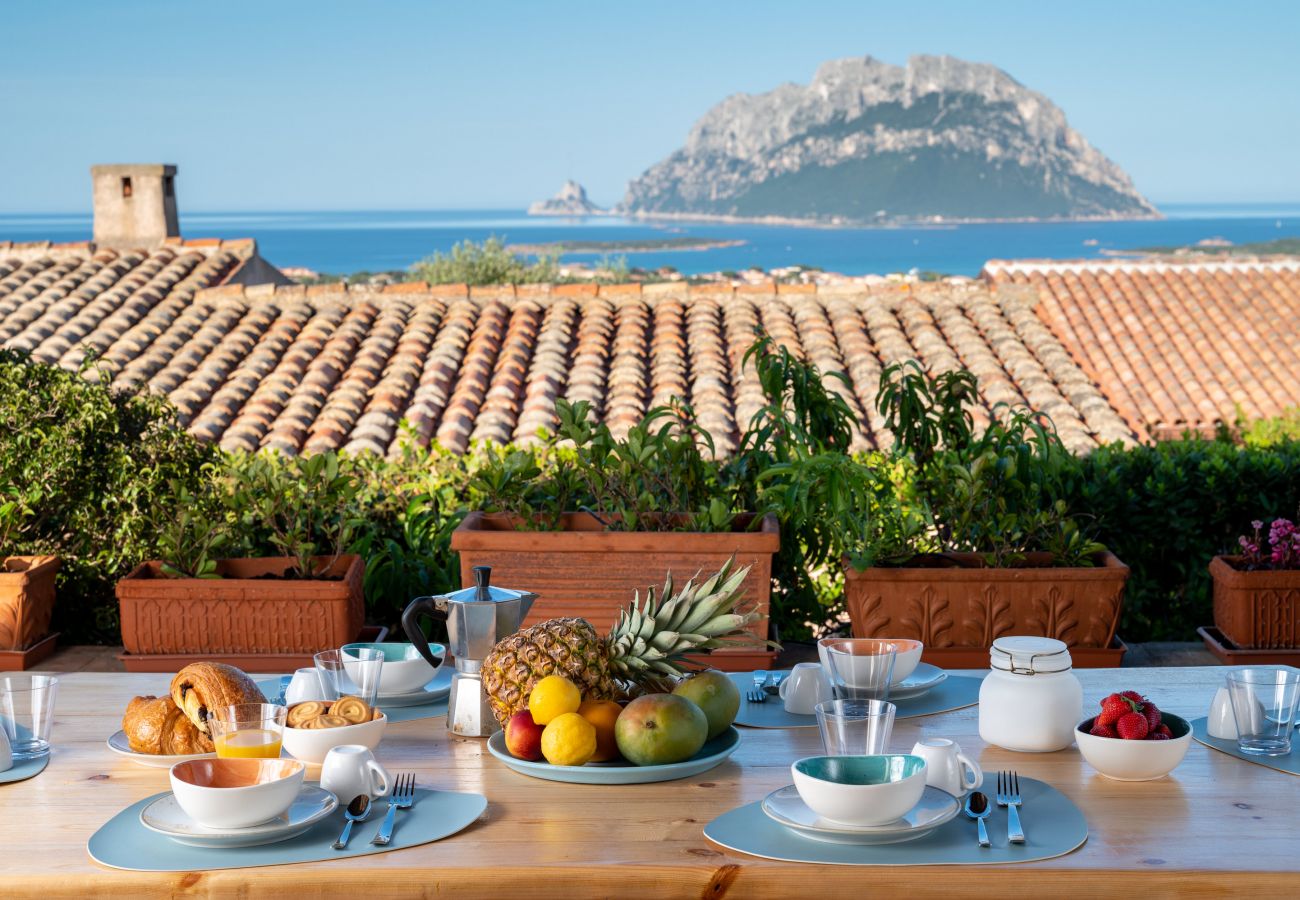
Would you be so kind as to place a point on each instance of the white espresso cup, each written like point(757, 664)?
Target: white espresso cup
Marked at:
point(350, 770)
point(6, 752)
point(803, 689)
point(947, 768)
point(305, 685)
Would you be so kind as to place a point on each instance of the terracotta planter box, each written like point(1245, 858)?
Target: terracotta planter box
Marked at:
point(584, 570)
point(968, 606)
point(26, 600)
point(1256, 610)
point(241, 614)
point(253, 663)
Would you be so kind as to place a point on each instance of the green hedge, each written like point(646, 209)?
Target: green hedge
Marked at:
point(1166, 509)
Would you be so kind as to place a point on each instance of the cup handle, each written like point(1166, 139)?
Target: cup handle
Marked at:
point(780, 690)
point(377, 773)
point(971, 769)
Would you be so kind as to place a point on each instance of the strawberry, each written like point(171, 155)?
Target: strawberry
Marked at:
point(1112, 708)
point(1157, 736)
point(1132, 727)
point(1164, 731)
point(1101, 730)
point(1153, 716)
point(1134, 696)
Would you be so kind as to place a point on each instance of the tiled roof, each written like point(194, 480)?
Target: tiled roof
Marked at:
point(57, 300)
point(1175, 345)
point(306, 369)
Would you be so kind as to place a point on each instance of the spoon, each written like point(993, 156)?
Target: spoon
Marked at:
point(357, 811)
point(977, 807)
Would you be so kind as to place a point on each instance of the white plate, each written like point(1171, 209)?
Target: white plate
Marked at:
point(122, 747)
point(437, 689)
point(924, 678)
point(935, 808)
point(166, 817)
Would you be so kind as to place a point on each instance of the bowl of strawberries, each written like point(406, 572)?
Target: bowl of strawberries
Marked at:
point(1131, 739)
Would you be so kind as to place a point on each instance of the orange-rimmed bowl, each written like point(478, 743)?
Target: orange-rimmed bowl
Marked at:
point(236, 793)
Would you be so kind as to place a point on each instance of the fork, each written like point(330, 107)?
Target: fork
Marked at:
point(402, 797)
point(757, 694)
point(1009, 796)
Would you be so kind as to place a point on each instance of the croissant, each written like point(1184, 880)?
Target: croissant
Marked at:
point(204, 686)
point(155, 725)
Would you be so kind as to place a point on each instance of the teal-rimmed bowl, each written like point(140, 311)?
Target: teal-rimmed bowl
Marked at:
point(860, 790)
point(405, 670)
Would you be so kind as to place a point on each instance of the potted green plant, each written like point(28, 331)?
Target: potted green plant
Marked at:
point(26, 587)
point(589, 520)
point(958, 538)
point(256, 575)
point(1257, 598)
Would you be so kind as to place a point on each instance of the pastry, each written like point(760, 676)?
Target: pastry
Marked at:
point(342, 712)
point(326, 721)
point(155, 725)
point(354, 709)
point(302, 713)
point(204, 686)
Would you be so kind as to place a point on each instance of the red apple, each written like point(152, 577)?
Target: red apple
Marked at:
point(524, 737)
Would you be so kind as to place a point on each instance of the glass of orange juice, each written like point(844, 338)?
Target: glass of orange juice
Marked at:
point(248, 730)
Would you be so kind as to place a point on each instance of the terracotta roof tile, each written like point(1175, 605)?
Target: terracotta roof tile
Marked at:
point(302, 370)
point(1173, 345)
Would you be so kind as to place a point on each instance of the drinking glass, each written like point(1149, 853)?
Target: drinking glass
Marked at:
point(354, 674)
point(26, 713)
point(1264, 705)
point(248, 730)
point(855, 727)
point(858, 668)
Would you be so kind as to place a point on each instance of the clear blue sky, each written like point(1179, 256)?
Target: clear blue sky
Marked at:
point(397, 105)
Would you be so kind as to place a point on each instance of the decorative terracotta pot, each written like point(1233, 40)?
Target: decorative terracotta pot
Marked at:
point(1256, 610)
point(26, 600)
point(585, 570)
point(244, 612)
point(959, 610)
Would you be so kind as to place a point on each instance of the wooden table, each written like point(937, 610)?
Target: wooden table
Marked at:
point(1218, 826)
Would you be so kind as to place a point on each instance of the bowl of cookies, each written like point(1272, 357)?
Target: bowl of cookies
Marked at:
point(314, 727)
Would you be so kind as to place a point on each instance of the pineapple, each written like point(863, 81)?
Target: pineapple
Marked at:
point(642, 654)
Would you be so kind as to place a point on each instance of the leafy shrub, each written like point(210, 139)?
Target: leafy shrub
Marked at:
point(92, 466)
point(1165, 509)
point(486, 263)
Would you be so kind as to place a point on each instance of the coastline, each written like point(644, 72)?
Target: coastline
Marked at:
point(676, 245)
point(926, 222)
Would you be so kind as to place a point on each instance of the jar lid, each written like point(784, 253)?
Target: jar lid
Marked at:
point(1029, 655)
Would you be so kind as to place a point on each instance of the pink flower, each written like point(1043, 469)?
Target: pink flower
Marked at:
point(1257, 524)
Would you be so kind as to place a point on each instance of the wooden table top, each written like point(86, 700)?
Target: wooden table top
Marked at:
point(1218, 825)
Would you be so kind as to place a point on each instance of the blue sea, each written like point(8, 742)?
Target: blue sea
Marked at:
point(345, 242)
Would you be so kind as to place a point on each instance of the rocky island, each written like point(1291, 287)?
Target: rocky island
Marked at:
point(872, 143)
point(570, 201)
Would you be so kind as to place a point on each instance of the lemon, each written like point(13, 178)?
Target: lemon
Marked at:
point(553, 696)
point(569, 740)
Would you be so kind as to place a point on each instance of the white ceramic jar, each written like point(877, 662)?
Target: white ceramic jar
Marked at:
point(1030, 701)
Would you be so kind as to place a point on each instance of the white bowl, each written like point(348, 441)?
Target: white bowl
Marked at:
point(311, 744)
point(404, 669)
point(860, 790)
point(236, 793)
point(906, 658)
point(1135, 760)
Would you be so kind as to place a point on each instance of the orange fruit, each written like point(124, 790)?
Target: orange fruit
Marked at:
point(602, 714)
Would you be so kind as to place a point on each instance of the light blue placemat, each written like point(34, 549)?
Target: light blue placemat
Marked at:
point(1053, 826)
point(21, 771)
point(123, 843)
point(1289, 763)
point(271, 688)
point(956, 692)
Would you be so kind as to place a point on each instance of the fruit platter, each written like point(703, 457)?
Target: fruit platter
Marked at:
point(654, 737)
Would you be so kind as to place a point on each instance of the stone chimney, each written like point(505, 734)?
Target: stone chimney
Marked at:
point(135, 205)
